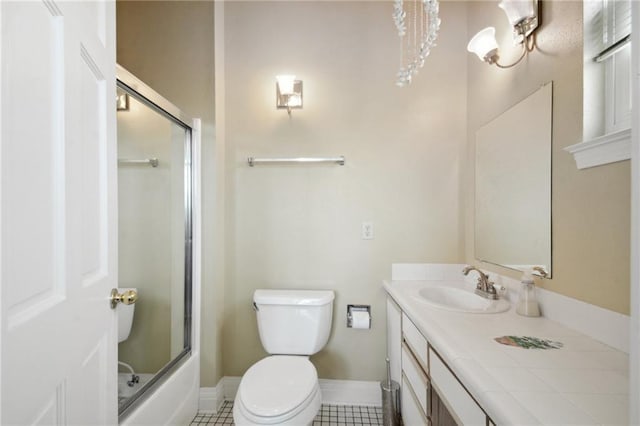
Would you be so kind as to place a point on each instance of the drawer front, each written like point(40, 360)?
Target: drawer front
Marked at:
point(412, 414)
point(415, 340)
point(416, 378)
point(453, 394)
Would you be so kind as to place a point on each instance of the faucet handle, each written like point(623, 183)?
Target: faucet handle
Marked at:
point(540, 270)
point(491, 287)
point(499, 289)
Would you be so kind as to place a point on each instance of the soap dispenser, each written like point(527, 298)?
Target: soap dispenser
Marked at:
point(527, 300)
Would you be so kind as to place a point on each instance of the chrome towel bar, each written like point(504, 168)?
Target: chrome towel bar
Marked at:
point(253, 161)
point(153, 162)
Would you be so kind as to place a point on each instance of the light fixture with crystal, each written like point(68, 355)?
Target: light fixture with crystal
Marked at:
point(417, 23)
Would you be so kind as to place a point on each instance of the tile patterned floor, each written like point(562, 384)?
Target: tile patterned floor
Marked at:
point(329, 415)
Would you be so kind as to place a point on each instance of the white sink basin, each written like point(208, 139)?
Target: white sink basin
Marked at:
point(460, 300)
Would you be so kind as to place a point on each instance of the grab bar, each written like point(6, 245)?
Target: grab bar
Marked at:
point(151, 161)
point(253, 161)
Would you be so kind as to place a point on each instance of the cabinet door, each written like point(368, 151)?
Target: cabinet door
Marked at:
point(394, 338)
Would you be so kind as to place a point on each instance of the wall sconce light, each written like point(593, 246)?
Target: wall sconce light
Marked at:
point(122, 102)
point(288, 93)
point(523, 17)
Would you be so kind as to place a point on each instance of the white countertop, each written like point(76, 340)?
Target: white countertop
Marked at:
point(585, 382)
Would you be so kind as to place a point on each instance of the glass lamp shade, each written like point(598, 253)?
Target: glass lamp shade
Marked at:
point(484, 44)
point(517, 10)
point(294, 101)
point(285, 84)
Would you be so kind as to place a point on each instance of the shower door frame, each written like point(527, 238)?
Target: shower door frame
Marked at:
point(141, 405)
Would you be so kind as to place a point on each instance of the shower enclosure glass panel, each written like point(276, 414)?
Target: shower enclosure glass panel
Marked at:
point(154, 248)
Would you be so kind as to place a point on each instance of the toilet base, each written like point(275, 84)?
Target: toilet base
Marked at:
point(303, 418)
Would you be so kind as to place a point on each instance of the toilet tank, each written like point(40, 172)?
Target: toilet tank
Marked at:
point(294, 322)
point(125, 317)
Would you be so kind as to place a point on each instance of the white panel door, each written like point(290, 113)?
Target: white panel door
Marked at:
point(57, 212)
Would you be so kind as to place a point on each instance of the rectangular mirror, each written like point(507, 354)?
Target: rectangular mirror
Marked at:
point(513, 185)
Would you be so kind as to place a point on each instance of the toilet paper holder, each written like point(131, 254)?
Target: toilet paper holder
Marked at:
point(356, 314)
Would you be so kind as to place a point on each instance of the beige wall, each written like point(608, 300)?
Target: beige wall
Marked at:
point(169, 45)
point(299, 226)
point(590, 208)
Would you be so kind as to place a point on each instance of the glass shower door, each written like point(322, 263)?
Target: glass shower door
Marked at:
point(154, 248)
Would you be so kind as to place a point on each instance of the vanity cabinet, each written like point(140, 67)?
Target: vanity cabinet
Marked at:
point(430, 393)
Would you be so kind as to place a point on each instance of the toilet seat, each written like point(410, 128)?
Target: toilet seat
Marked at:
point(277, 388)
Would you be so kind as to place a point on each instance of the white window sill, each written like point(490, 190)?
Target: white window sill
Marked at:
point(602, 150)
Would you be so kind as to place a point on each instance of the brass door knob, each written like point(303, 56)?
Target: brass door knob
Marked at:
point(128, 297)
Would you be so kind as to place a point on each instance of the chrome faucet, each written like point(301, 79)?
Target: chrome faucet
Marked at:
point(484, 287)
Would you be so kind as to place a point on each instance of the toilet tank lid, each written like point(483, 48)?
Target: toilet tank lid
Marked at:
point(293, 297)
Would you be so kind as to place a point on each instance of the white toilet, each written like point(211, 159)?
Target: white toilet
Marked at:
point(125, 317)
point(283, 388)
point(128, 383)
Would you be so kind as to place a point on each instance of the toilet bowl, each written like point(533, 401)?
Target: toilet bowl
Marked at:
point(279, 389)
point(283, 388)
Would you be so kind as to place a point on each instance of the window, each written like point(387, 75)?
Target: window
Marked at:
point(615, 54)
point(606, 84)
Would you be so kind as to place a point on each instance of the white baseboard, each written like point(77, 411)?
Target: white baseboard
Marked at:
point(336, 392)
point(231, 385)
point(351, 392)
point(211, 399)
point(208, 401)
